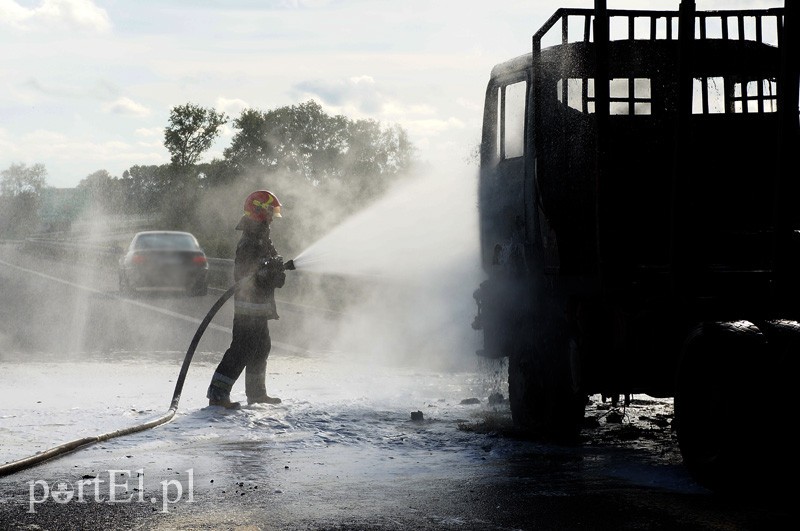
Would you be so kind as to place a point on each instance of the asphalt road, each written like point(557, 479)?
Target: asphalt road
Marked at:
point(341, 453)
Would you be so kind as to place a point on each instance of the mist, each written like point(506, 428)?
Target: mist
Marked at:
point(391, 283)
point(409, 264)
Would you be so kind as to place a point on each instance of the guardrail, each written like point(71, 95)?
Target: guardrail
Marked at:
point(220, 270)
point(337, 291)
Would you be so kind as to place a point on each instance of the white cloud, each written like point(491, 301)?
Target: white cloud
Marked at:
point(55, 14)
point(362, 97)
point(471, 105)
point(126, 106)
point(360, 93)
point(367, 80)
point(7, 146)
point(149, 131)
point(431, 127)
point(69, 159)
point(34, 89)
point(395, 110)
point(12, 13)
point(231, 107)
point(155, 144)
point(302, 4)
point(226, 131)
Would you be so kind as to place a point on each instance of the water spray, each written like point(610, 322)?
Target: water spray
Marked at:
point(27, 462)
point(369, 244)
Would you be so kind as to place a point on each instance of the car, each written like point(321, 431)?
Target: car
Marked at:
point(165, 260)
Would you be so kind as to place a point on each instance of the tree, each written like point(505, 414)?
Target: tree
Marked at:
point(20, 198)
point(250, 147)
point(191, 131)
point(145, 186)
point(97, 184)
point(108, 194)
point(304, 140)
point(19, 179)
point(375, 156)
point(307, 141)
point(218, 172)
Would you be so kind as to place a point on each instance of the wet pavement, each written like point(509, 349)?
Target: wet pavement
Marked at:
point(340, 452)
point(343, 450)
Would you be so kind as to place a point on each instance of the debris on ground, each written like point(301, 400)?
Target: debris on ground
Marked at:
point(660, 420)
point(496, 398)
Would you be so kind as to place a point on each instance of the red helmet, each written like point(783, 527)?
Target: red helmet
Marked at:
point(260, 205)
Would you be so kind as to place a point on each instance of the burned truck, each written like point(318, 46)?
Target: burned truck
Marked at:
point(640, 226)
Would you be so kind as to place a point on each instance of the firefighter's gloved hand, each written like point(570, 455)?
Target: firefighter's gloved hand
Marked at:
point(271, 274)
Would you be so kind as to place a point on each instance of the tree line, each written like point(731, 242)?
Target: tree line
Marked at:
point(322, 168)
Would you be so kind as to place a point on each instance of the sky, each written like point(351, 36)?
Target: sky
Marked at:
point(87, 85)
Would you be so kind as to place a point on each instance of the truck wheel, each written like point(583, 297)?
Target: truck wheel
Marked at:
point(777, 396)
point(521, 395)
point(544, 390)
point(783, 339)
point(716, 400)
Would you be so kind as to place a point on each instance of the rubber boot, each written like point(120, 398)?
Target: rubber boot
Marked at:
point(218, 397)
point(263, 399)
point(224, 402)
point(255, 386)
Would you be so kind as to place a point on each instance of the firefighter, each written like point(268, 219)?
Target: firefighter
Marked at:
point(260, 269)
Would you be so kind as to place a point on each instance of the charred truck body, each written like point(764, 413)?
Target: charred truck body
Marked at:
point(639, 218)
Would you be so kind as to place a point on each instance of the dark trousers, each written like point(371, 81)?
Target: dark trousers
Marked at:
point(248, 351)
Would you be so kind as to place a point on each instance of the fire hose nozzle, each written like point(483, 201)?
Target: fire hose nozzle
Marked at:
point(289, 265)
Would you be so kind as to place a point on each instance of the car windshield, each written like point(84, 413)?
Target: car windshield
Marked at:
point(183, 242)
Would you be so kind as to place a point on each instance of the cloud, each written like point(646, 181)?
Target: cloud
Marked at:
point(126, 106)
point(231, 107)
point(6, 145)
point(35, 86)
point(226, 131)
point(151, 137)
point(32, 88)
point(12, 13)
point(360, 93)
point(298, 4)
point(72, 155)
point(396, 110)
point(432, 127)
point(471, 105)
point(56, 14)
point(148, 132)
point(362, 97)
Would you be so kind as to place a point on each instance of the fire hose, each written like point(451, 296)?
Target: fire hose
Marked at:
point(27, 462)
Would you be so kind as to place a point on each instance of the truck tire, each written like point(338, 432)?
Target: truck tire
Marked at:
point(778, 390)
point(717, 398)
point(783, 338)
point(544, 391)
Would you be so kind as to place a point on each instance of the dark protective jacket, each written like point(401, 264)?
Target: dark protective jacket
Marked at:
point(253, 296)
